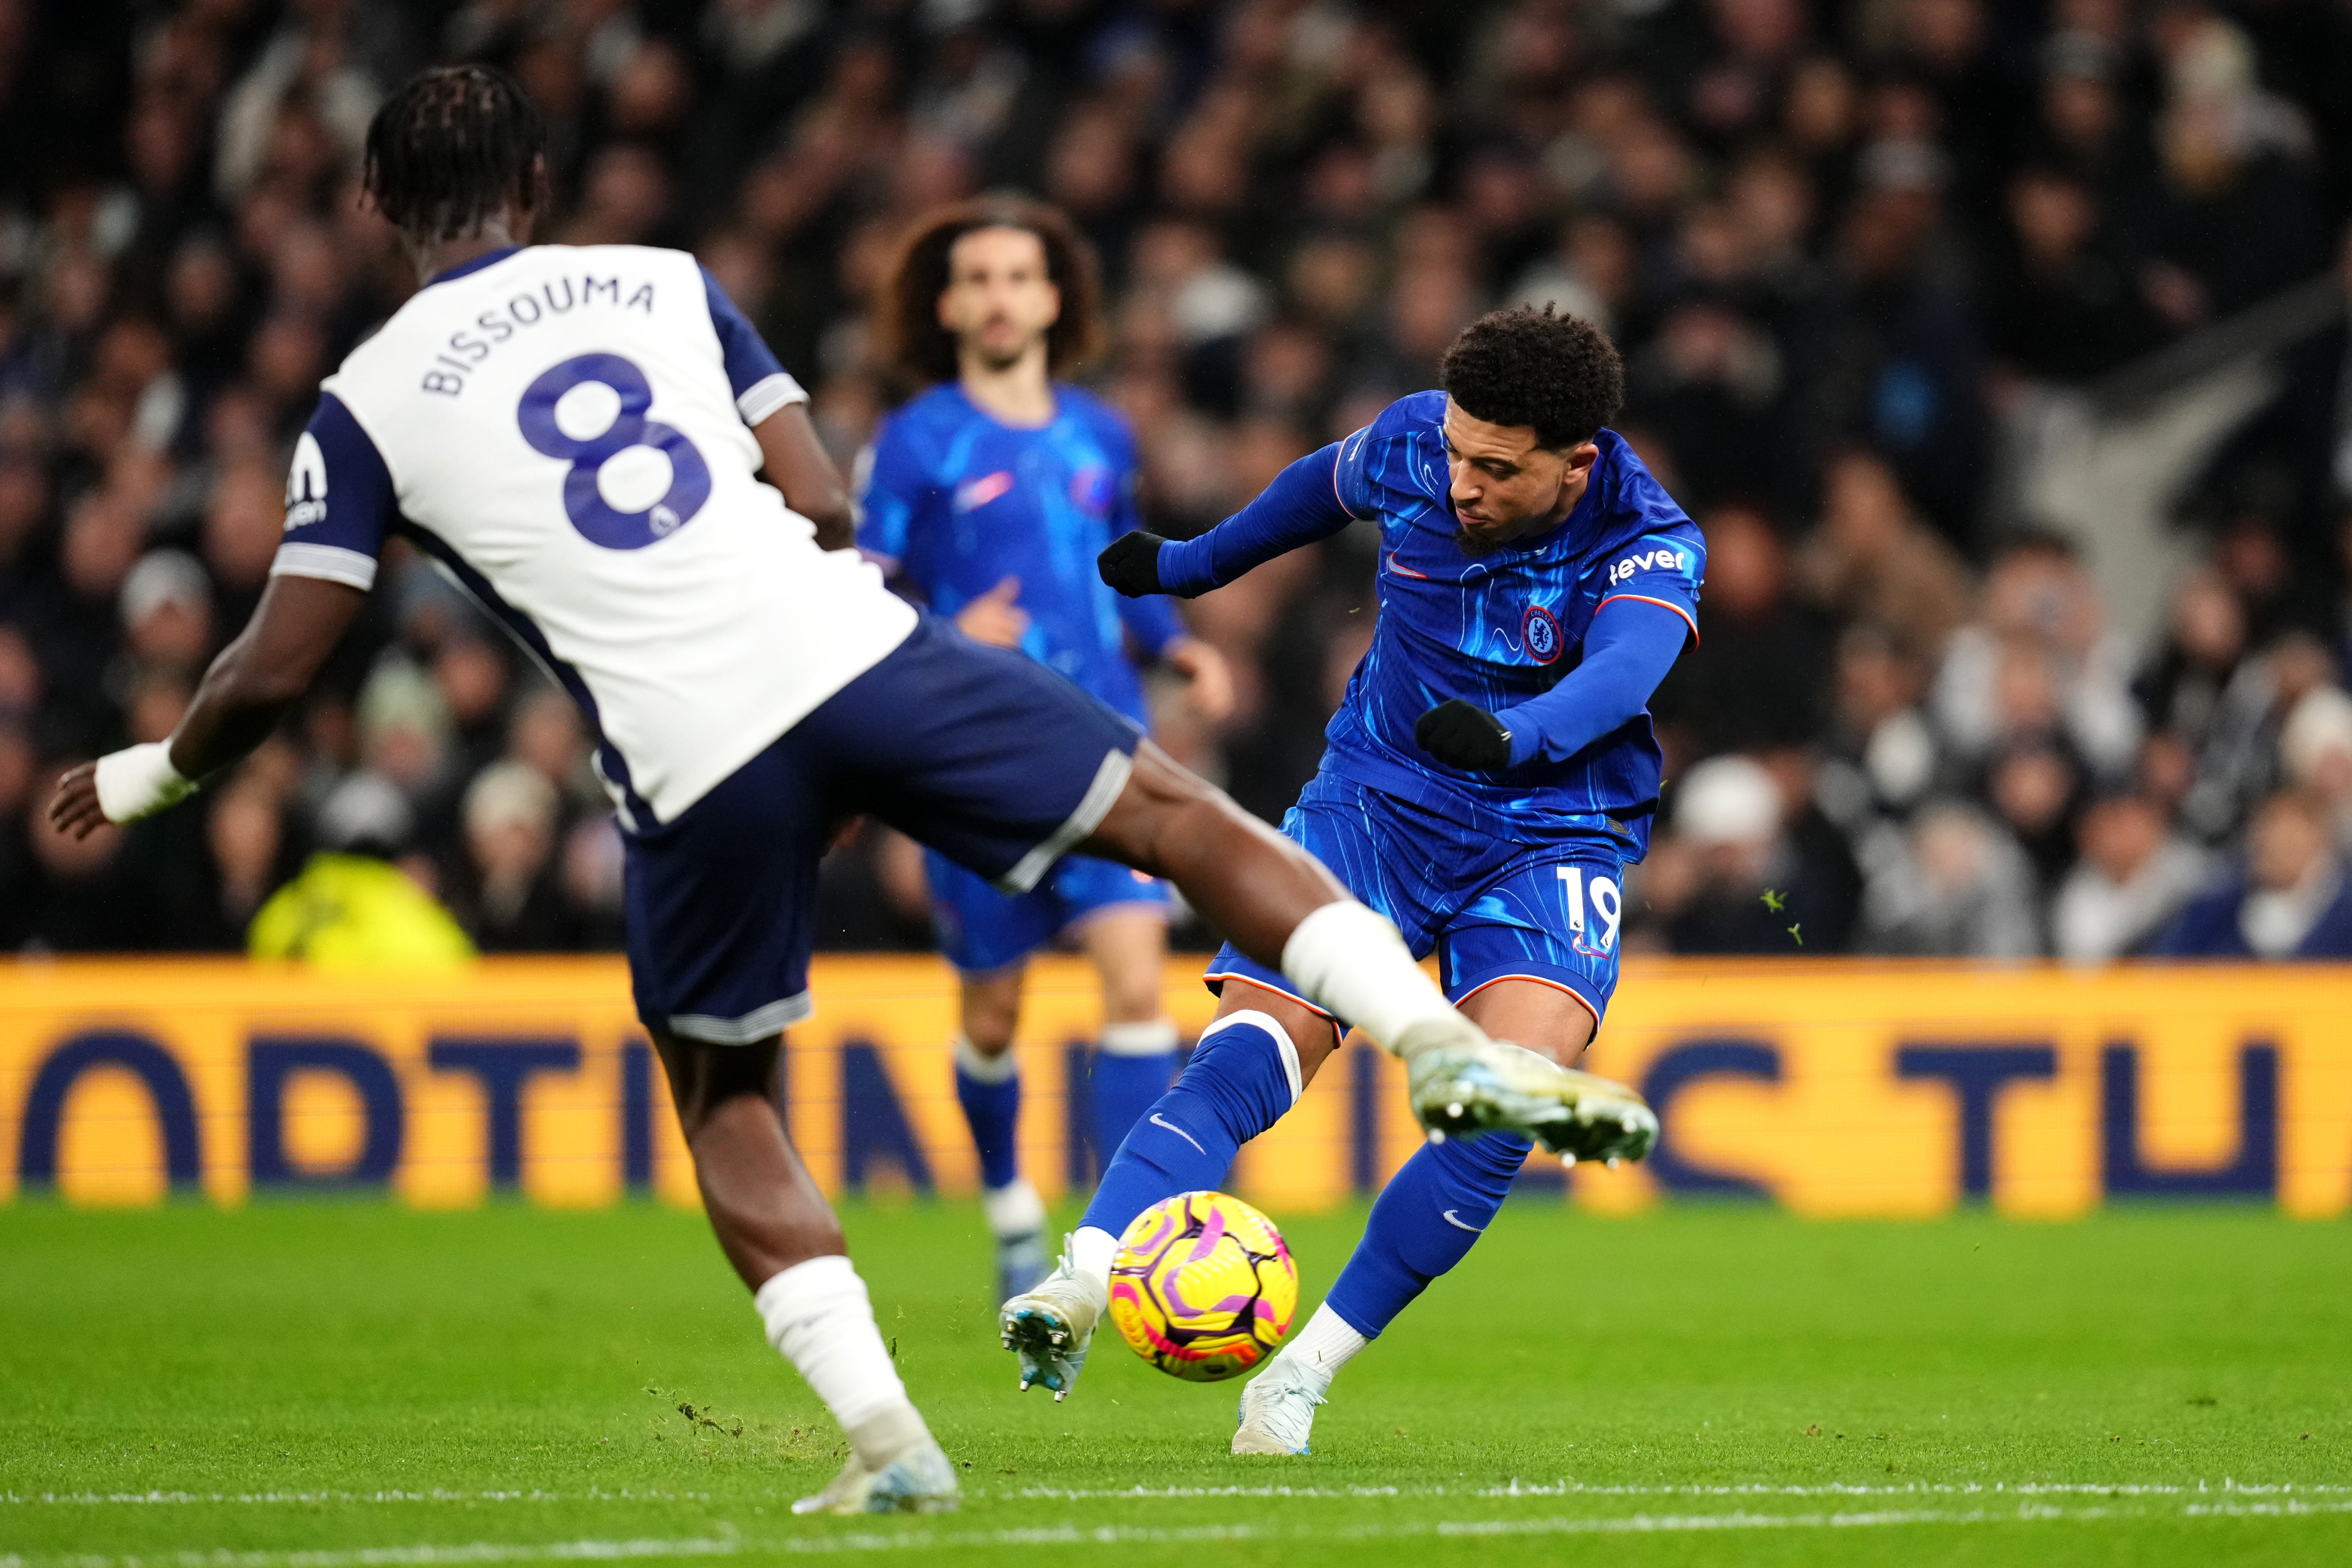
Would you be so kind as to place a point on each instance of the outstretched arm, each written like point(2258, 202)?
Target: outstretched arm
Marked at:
point(1300, 507)
point(1632, 643)
point(776, 408)
point(252, 682)
point(796, 463)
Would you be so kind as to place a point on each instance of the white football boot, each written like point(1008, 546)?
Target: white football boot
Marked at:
point(919, 1479)
point(1277, 1411)
point(1469, 1084)
point(1050, 1327)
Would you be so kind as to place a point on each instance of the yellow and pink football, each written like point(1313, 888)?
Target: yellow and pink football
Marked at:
point(1204, 1288)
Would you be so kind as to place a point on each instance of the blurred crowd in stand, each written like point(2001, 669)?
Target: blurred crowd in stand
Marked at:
point(1839, 243)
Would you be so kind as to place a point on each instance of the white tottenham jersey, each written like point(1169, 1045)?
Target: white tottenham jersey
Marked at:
point(566, 431)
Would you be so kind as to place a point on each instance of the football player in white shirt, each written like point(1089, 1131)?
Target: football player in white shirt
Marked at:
point(579, 437)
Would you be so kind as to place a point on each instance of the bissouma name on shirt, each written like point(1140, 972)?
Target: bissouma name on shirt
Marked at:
point(470, 346)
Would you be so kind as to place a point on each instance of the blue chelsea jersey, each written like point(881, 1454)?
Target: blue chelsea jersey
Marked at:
point(1497, 629)
point(954, 501)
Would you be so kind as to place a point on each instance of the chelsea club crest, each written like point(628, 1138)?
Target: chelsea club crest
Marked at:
point(1541, 633)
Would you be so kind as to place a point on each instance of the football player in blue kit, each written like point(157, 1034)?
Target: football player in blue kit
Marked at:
point(989, 496)
point(1488, 775)
point(593, 443)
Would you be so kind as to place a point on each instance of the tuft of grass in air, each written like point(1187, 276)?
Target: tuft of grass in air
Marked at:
point(1695, 1386)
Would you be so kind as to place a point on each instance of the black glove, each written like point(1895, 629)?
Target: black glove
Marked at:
point(1463, 736)
point(1131, 563)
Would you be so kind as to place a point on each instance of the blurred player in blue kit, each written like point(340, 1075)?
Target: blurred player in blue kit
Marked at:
point(1488, 775)
point(989, 497)
point(596, 445)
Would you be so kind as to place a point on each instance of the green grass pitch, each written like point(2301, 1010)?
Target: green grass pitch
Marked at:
point(347, 1386)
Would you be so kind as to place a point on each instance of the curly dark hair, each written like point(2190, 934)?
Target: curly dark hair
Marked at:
point(450, 148)
point(1529, 366)
point(909, 337)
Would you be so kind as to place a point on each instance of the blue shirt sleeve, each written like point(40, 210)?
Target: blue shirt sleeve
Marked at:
point(339, 502)
point(761, 382)
point(892, 486)
point(1301, 506)
point(1660, 569)
point(1627, 652)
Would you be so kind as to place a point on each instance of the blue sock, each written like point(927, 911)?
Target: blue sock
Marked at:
point(989, 1089)
point(1132, 1071)
point(1242, 1078)
point(1424, 1223)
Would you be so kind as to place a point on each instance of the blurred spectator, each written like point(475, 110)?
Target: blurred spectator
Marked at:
point(245, 833)
point(2204, 692)
point(514, 904)
point(2133, 877)
point(2035, 788)
point(1731, 880)
point(2062, 303)
point(352, 907)
point(1870, 560)
point(2038, 660)
point(1835, 246)
point(1885, 757)
point(1959, 888)
point(2315, 746)
point(2289, 899)
point(1756, 677)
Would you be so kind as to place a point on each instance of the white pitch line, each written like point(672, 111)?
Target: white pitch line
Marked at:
point(593, 1494)
point(1514, 1488)
point(433, 1556)
point(1517, 1488)
point(401, 1556)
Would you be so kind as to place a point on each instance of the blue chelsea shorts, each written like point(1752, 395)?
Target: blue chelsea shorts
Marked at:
point(1493, 907)
point(983, 930)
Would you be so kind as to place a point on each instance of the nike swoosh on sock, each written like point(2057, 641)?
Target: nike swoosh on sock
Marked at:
point(1159, 1120)
point(1472, 1229)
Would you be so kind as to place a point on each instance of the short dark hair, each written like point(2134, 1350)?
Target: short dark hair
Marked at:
point(907, 316)
point(1529, 366)
point(450, 148)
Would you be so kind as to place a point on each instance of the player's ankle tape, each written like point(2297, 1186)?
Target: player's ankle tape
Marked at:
point(882, 1438)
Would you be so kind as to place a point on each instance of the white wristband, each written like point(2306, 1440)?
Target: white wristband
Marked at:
point(139, 781)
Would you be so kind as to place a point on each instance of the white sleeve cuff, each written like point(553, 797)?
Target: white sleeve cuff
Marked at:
point(330, 562)
point(766, 396)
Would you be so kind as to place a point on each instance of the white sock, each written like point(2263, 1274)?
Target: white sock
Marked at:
point(1324, 1345)
point(980, 1067)
point(820, 1318)
point(1351, 960)
point(1013, 1209)
point(1155, 1039)
point(1092, 1252)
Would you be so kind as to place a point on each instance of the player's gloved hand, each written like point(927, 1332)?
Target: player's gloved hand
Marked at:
point(1464, 736)
point(1130, 564)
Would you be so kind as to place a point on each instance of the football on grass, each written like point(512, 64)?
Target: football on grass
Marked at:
point(1203, 1287)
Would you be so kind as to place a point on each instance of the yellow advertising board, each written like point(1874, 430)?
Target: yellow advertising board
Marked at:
point(1832, 1087)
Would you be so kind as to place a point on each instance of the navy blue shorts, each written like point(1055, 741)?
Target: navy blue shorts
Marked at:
point(982, 753)
point(983, 930)
point(1492, 907)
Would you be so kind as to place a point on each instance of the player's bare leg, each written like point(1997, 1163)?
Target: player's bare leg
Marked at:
point(785, 1241)
point(1277, 1406)
point(1127, 945)
point(1135, 1059)
point(987, 1085)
